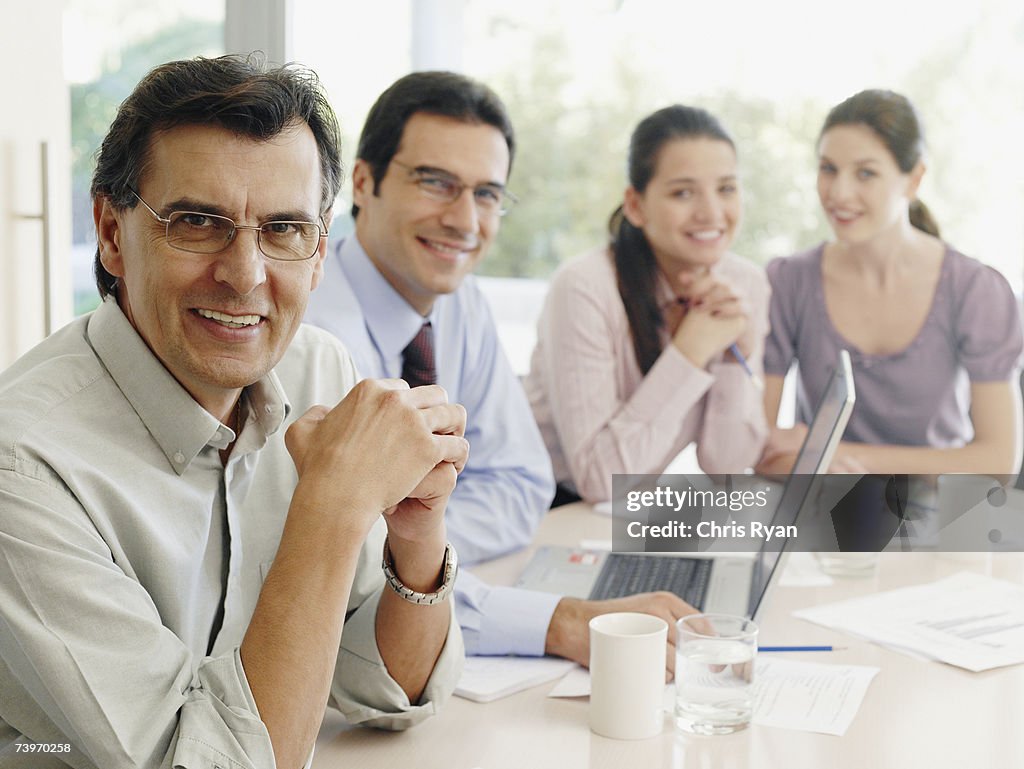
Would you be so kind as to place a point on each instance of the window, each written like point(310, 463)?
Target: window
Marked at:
point(108, 48)
point(578, 75)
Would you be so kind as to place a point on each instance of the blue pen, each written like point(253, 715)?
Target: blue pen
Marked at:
point(735, 350)
point(754, 378)
point(794, 648)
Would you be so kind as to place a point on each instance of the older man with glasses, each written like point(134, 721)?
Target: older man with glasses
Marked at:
point(193, 556)
point(429, 191)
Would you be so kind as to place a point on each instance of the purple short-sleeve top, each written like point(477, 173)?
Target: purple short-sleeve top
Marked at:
point(918, 396)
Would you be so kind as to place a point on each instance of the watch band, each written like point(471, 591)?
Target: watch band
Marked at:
point(448, 572)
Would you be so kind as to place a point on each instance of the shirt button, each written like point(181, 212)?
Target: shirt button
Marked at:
point(269, 409)
point(179, 457)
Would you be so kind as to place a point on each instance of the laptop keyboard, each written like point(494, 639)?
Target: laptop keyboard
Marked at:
point(626, 574)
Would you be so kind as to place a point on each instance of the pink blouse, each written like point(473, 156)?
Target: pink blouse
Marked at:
point(599, 415)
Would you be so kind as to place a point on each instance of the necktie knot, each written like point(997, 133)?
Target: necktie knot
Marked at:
point(418, 358)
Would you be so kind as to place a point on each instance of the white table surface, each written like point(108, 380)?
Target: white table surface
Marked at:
point(915, 713)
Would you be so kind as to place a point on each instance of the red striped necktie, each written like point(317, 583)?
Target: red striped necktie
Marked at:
point(418, 358)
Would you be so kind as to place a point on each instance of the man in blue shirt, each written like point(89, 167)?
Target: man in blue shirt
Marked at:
point(428, 194)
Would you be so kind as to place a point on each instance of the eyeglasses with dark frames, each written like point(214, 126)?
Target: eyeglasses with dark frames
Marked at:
point(490, 199)
point(202, 233)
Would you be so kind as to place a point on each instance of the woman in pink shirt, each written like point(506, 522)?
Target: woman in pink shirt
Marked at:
point(634, 358)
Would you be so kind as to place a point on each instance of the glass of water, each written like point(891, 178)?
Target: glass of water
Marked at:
point(715, 656)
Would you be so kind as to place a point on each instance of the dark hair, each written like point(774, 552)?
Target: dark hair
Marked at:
point(238, 93)
point(436, 93)
point(895, 121)
point(635, 265)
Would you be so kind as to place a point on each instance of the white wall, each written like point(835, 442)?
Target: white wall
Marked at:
point(35, 110)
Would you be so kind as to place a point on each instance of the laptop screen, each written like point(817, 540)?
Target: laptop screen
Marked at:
point(815, 455)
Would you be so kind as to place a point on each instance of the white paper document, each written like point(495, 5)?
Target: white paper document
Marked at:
point(490, 678)
point(809, 696)
point(968, 620)
point(806, 696)
point(575, 683)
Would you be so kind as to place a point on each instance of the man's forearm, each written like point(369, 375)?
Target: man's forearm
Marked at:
point(410, 637)
point(291, 645)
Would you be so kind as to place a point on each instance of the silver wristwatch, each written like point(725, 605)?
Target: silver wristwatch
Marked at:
point(449, 569)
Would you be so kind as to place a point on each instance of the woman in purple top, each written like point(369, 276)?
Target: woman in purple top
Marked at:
point(934, 336)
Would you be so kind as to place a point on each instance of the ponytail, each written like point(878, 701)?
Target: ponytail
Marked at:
point(636, 271)
point(922, 218)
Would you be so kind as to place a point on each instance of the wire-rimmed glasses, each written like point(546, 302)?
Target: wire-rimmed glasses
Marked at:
point(203, 233)
point(439, 185)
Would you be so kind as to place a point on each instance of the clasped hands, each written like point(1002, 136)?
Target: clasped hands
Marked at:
point(384, 449)
point(716, 317)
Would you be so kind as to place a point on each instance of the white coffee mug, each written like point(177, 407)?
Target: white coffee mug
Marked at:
point(627, 675)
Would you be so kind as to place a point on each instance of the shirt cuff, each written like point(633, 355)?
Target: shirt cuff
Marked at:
point(672, 385)
point(221, 695)
point(733, 396)
point(509, 620)
point(365, 692)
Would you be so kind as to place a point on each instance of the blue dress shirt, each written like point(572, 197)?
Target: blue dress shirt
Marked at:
point(507, 484)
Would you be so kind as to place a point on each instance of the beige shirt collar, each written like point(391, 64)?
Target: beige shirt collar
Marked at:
point(179, 425)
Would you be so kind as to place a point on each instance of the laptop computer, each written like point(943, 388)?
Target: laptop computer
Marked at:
point(733, 583)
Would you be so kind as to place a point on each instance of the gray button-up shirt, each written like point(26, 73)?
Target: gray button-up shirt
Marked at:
point(131, 559)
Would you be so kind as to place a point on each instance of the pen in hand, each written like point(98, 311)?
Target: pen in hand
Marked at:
point(734, 349)
point(754, 378)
